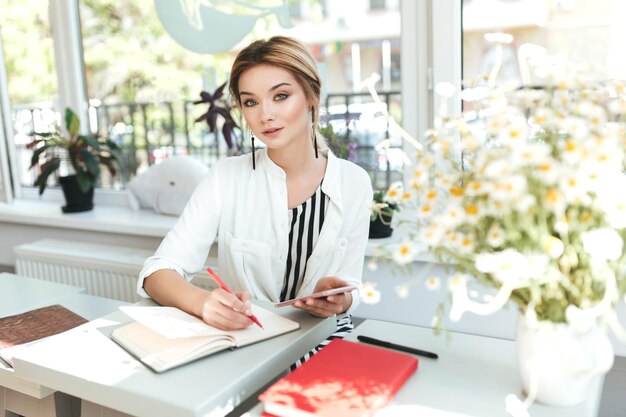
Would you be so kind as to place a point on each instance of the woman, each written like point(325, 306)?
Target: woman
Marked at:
point(290, 219)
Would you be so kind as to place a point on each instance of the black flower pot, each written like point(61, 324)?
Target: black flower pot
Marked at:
point(76, 201)
point(380, 227)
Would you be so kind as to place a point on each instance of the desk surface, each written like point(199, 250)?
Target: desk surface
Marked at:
point(471, 378)
point(23, 294)
point(19, 293)
point(88, 365)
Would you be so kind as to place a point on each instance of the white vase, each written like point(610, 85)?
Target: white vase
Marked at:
point(561, 361)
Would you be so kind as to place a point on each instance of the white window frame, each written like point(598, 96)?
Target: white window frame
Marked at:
point(431, 42)
point(6, 137)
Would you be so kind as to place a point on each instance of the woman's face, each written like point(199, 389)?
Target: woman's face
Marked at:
point(275, 107)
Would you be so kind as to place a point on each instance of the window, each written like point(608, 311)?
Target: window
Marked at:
point(513, 37)
point(377, 4)
point(31, 75)
point(140, 82)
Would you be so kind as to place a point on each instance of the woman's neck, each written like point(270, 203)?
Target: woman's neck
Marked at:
point(295, 161)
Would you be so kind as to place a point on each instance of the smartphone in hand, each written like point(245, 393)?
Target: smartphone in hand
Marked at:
point(325, 293)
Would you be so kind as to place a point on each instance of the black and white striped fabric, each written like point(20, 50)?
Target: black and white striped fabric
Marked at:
point(306, 222)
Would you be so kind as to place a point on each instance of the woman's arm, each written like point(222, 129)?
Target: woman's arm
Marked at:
point(217, 308)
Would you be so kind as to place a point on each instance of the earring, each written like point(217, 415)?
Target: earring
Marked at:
point(253, 152)
point(314, 135)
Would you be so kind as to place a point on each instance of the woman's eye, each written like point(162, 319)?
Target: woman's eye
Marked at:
point(249, 103)
point(280, 96)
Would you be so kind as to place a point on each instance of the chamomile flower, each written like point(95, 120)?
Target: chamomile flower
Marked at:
point(402, 291)
point(432, 283)
point(405, 253)
point(457, 281)
point(495, 236)
point(369, 293)
point(372, 265)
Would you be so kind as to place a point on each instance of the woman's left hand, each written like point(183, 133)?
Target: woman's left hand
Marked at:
point(327, 306)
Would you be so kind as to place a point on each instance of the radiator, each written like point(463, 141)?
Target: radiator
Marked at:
point(102, 270)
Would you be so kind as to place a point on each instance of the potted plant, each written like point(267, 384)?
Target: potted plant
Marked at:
point(341, 145)
point(218, 105)
point(85, 153)
point(383, 205)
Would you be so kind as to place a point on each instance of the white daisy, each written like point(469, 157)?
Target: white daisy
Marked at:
point(402, 291)
point(495, 236)
point(404, 253)
point(432, 283)
point(369, 293)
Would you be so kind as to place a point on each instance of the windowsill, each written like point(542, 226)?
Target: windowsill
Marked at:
point(109, 219)
point(125, 221)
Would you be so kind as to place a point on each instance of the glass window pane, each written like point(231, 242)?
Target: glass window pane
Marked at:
point(142, 82)
point(506, 40)
point(31, 74)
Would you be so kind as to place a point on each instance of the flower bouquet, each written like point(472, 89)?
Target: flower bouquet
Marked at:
point(526, 194)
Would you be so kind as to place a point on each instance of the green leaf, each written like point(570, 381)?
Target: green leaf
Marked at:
point(91, 141)
point(36, 154)
point(46, 169)
point(85, 181)
point(111, 145)
point(72, 123)
point(91, 162)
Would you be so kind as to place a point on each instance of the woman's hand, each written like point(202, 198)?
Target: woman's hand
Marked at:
point(327, 306)
point(226, 311)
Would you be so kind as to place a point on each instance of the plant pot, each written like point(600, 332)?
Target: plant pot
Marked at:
point(76, 201)
point(380, 227)
point(561, 362)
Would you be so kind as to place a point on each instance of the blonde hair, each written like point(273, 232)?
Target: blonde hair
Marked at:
point(288, 54)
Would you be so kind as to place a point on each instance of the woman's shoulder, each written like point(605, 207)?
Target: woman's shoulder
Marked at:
point(232, 163)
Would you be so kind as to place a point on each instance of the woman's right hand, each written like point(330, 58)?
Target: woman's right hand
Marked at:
point(226, 311)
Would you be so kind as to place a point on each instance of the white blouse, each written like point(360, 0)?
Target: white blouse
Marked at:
point(245, 210)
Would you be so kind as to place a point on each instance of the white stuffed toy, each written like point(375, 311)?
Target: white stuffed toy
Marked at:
point(166, 187)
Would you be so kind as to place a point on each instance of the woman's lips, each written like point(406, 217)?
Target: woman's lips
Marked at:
point(272, 132)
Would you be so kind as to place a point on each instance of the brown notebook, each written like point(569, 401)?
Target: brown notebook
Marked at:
point(34, 325)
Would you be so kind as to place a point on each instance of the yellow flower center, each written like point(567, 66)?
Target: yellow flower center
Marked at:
point(553, 196)
point(456, 191)
point(570, 146)
point(471, 209)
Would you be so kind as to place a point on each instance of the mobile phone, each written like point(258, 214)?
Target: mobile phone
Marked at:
point(325, 293)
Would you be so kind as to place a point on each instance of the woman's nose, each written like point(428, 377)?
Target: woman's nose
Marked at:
point(267, 112)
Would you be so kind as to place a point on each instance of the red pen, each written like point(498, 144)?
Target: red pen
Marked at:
point(223, 286)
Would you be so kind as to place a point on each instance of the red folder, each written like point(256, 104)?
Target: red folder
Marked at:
point(345, 379)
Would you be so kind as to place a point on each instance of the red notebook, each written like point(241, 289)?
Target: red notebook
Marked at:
point(345, 379)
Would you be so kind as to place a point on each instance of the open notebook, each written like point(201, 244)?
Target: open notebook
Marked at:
point(166, 337)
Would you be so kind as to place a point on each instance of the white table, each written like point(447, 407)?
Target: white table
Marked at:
point(97, 370)
point(471, 378)
point(19, 294)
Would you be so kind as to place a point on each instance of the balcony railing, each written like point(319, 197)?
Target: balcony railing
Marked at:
point(150, 132)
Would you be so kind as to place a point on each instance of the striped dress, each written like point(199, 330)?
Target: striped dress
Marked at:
point(306, 221)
